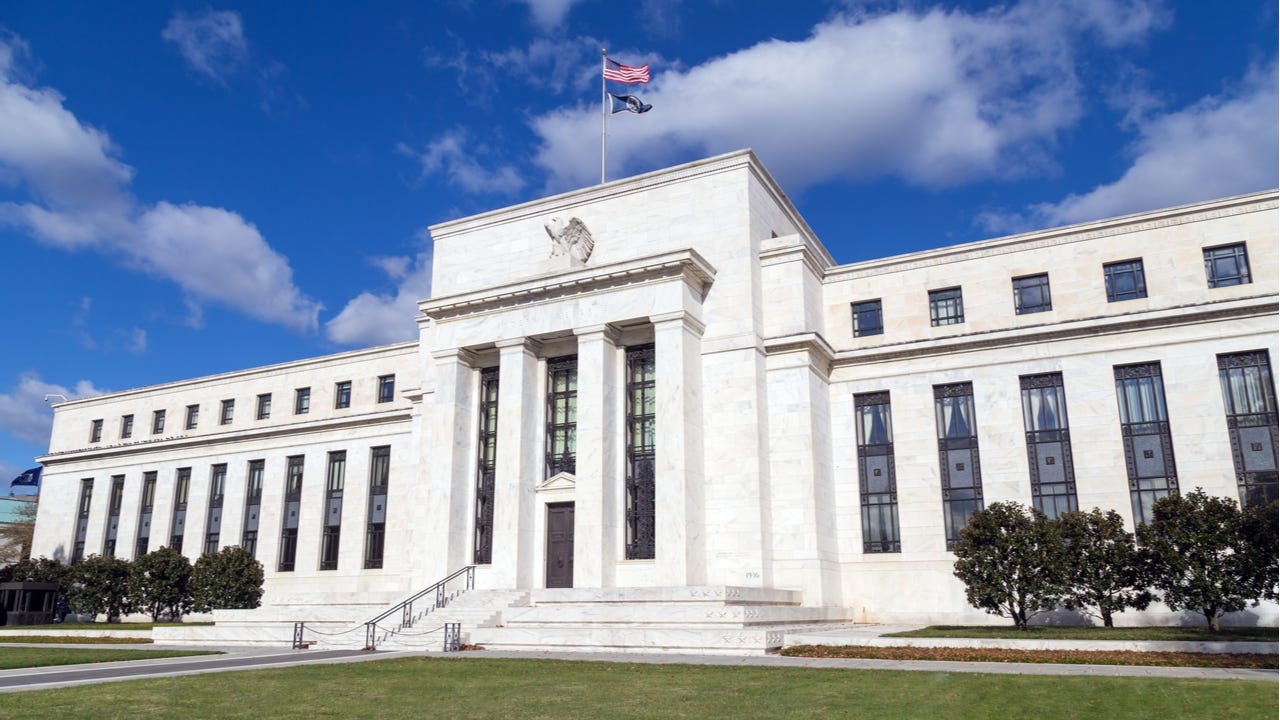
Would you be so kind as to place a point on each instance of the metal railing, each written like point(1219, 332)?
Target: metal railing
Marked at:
point(441, 597)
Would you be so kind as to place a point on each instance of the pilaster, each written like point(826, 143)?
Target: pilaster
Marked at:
point(598, 479)
point(519, 464)
point(679, 523)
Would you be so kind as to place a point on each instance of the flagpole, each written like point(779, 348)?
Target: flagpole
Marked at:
point(603, 99)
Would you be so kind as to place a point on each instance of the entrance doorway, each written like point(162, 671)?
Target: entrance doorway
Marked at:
point(560, 545)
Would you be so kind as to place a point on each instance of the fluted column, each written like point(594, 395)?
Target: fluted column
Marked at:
point(595, 550)
point(679, 524)
point(519, 464)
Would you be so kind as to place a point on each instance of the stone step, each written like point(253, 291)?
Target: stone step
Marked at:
point(638, 639)
point(693, 594)
point(666, 614)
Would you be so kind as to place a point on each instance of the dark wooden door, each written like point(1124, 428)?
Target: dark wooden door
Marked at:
point(560, 545)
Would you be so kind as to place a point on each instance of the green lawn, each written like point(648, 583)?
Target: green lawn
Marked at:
point(1259, 634)
point(24, 657)
point(499, 688)
point(102, 626)
point(61, 639)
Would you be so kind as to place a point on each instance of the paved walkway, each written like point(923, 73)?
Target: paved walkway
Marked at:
point(252, 658)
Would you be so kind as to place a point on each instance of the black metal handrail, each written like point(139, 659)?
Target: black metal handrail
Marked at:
point(406, 608)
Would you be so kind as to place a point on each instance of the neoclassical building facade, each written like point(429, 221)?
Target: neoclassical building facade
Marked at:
point(667, 382)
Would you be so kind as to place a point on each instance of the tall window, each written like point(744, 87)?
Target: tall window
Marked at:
point(877, 479)
point(264, 406)
point(486, 465)
point(181, 491)
point(342, 395)
point(144, 513)
point(1226, 265)
point(95, 431)
point(946, 307)
point(82, 519)
point(292, 502)
point(376, 527)
point(867, 318)
point(252, 506)
point(386, 388)
point(228, 412)
point(217, 491)
point(116, 500)
point(302, 401)
point(562, 415)
point(126, 427)
point(157, 422)
point(957, 457)
point(641, 478)
point(335, 480)
point(1125, 280)
point(1044, 415)
point(1148, 446)
point(1031, 294)
point(193, 416)
point(1250, 398)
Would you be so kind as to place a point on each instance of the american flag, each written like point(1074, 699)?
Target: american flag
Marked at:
point(629, 74)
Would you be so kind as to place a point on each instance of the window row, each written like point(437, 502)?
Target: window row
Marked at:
point(262, 408)
point(335, 480)
point(1248, 395)
point(1224, 266)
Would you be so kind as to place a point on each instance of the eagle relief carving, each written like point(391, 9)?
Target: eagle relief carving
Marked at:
point(572, 239)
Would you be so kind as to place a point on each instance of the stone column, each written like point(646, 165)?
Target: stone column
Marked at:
point(450, 503)
point(595, 549)
point(679, 498)
point(519, 464)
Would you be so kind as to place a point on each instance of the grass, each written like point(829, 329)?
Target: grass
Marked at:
point(1254, 634)
point(24, 657)
point(104, 626)
point(63, 639)
point(489, 688)
point(1067, 657)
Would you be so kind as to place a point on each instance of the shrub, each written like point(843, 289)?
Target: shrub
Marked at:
point(100, 585)
point(1010, 561)
point(160, 584)
point(230, 578)
point(1104, 573)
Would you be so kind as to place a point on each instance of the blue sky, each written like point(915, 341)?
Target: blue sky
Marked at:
point(191, 188)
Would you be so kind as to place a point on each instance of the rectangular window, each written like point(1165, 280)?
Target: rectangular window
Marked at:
point(335, 480)
point(144, 514)
point(213, 523)
point(1148, 446)
point(1031, 294)
point(82, 519)
point(486, 465)
point(95, 431)
point(1226, 265)
point(867, 318)
point(386, 388)
point(113, 515)
point(302, 401)
point(376, 527)
point(264, 406)
point(877, 478)
point(181, 491)
point(193, 416)
point(252, 506)
point(957, 457)
point(946, 307)
point(227, 413)
point(342, 395)
point(1249, 395)
point(641, 410)
point(562, 415)
point(126, 427)
point(157, 422)
point(1125, 280)
point(292, 503)
point(1044, 416)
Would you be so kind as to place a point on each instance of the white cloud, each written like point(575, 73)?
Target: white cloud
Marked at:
point(376, 319)
point(455, 157)
point(934, 98)
point(1218, 146)
point(26, 415)
point(79, 197)
point(212, 42)
point(549, 14)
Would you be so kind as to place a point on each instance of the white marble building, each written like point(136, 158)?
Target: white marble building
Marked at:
point(667, 382)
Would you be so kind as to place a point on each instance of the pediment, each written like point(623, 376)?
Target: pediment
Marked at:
point(559, 481)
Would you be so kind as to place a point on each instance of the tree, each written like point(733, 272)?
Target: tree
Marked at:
point(1260, 525)
point(160, 584)
point(42, 569)
point(16, 536)
point(1010, 562)
point(230, 578)
point(100, 585)
point(1105, 573)
point(1204, 554)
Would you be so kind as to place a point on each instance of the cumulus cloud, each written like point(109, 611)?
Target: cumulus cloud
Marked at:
point(79, 197)
point(549, 14)
point(376, 319)
point(1221, 145)
point(455, 157)
point(212, 42)
point(26, 415)
point(934, 98)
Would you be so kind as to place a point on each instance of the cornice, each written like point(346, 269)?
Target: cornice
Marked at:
point(818, 351)
point(686, 264)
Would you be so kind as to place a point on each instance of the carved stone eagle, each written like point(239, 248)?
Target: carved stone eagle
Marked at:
point(572, 238)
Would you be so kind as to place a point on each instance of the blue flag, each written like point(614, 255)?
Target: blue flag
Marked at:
point(629, 103)
point(30, 477)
